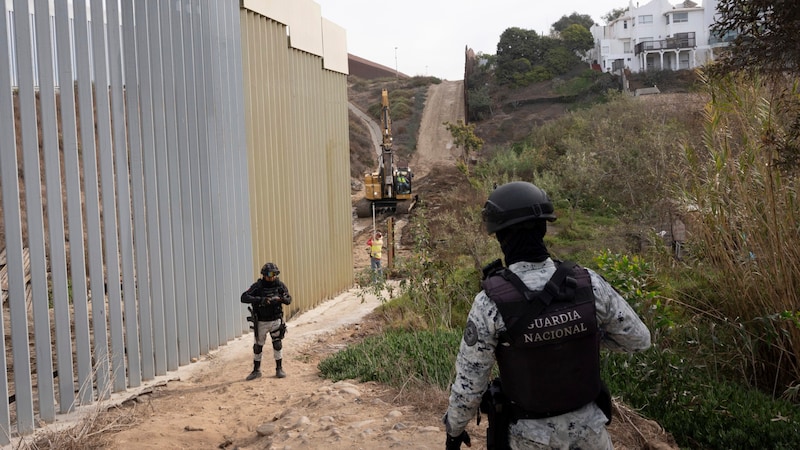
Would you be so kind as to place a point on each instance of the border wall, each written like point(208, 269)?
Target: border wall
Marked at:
point(197, 140)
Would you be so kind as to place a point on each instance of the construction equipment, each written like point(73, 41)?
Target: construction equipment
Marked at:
point(389, 188)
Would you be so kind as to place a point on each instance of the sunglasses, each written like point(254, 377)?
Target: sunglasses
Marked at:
point(272, 274)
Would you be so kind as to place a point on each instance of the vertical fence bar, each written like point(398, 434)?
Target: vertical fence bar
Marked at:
point(92, 200)
point(226, 152)
point(77, 249)
point(165, 313)
point(197, 291)
point(183, 215)
point(169, 161)
point(135, 105)
point(130, 350)
point(35, 219)
point(12, 220)
point(207, 162)
point(55, 213)
point(207, 332)
point(147, 106)
point(244, 241)
point(216, 176)
point(108, 195)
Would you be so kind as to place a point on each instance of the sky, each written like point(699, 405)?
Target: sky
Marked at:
point(428, 37)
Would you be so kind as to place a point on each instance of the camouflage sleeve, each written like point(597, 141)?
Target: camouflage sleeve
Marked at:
point(473, 364)
point(622, 329)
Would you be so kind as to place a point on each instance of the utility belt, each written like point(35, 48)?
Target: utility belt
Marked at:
point(268, 317)
point(516, 413)
point(502, 413)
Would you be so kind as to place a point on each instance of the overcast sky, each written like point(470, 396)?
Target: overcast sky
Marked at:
point(430, 35)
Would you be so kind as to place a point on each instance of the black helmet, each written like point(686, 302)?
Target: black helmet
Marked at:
point(270, 267)
point(516, 202)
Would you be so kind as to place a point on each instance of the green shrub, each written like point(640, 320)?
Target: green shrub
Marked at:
point(698, 412)
point(397, 357)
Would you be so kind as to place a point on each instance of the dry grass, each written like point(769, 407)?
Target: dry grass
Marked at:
point(90, 432)
point(746, 223)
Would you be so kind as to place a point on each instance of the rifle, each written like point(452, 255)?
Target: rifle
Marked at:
point(493, 405)
point(254, 319)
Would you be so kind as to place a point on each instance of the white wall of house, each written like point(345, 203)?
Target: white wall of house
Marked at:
point(669, 36)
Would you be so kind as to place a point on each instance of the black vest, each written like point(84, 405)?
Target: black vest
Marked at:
point(269, 311)
point(549, 355)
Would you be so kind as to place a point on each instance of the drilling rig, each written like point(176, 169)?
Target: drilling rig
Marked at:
point(387, 190)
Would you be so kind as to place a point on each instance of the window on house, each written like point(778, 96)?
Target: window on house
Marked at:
point(625, 24)
point(627, 47)
point(680, 17)
point(667, 17)
point(646, 19)
point(684, 39)
point(606, 50)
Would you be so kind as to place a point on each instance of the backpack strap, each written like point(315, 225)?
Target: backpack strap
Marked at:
point(535, 302)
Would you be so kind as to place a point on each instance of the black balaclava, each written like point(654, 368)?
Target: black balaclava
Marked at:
point(524, 242)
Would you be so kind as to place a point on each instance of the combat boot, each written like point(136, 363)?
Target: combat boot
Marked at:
point(279, 373)
point(256, 371)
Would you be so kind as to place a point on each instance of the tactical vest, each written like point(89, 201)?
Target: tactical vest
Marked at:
point(549, 354)
point(270, 311)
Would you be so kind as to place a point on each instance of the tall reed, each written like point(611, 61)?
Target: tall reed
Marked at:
point(742, 198)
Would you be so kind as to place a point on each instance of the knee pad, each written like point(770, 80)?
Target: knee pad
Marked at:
point(277, 344)
point(257, 348)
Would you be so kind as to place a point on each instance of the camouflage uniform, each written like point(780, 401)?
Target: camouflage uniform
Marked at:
point(621, 330)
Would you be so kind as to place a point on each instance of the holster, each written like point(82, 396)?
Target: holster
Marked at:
point(603, 401)
point(493, 405)
point(253, 319)
point(282, 330)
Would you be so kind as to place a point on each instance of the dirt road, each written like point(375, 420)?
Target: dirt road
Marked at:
point(445, 103)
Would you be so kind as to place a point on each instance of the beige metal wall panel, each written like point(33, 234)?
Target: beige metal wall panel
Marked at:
point(303, 17)
point(305, 26)
point(299, 163)
point(334, 47)
point(278, 10)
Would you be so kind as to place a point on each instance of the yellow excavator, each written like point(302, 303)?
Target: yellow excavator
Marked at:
point(387, 190)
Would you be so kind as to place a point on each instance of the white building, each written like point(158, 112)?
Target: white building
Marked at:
point(657, 36)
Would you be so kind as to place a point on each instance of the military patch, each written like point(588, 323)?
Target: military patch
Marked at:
point(470, 333)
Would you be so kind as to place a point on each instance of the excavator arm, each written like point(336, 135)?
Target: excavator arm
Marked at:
point(389, 185)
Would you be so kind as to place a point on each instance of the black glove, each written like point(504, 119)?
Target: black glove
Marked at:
point(454, 443)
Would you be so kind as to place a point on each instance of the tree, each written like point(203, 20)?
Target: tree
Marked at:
point(577, 38)
point(480, 103)
point(560, 60)
point(766, 35)
point(518, 46)
point(614, 14)
point(464, 137)
point(564, 22)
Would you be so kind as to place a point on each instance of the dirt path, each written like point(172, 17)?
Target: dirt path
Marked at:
point(445, 103)
point(212, 406)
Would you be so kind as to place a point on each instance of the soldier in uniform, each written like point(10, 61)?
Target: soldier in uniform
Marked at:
point(266, 298)
point(549, 371)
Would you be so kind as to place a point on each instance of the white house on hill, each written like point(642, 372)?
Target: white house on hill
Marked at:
point(658, 35)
